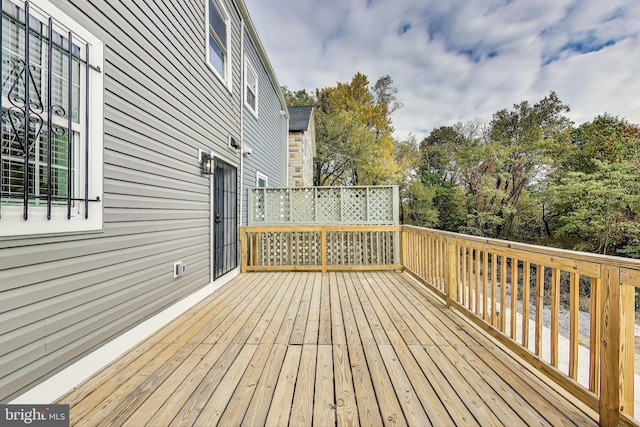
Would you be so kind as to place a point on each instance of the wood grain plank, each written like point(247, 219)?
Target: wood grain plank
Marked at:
point(555, 311)
point(485, 286)
point(368, 307)
point(494, 289)
point(164, 392)
point(385, 287)
point(503, 293)
point(213, 410)
point(412, 408)
point(303, 398)
point(594, 333)
point(108, 402)
point(368, 406)
point(280, 408)
point(195, 379)
point(346, 409)
point(454, 369)
point(526, 290)
point(286, 327)
point(144, 385)
point(388, 403)
point(282, 287)
point(539, 308)
point(190, 411)
point(514, 297)
point(338, 333)
point(240, 400)
point(312, 328)
point(302, 316)
point(324, 404)
point(429, 398)
point(324, 333)
point(574, 296)
point(275, 324)
point(448, 394)
point(477, 276)
point(124, 367)
point(258, 409)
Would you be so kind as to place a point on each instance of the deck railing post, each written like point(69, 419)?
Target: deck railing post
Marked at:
point(323, 249)
point(244, 250)
point(451, 277)
point(616, 367)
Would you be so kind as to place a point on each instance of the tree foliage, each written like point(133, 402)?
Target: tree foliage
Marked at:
point(526, 174)
point(594, 198)
point(354, 134)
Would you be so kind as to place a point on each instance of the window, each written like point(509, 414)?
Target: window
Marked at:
point(218, 41)
point(51, 127)
point(251, 87)
point(261, 180)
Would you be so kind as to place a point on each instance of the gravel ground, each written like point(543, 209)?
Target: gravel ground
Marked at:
point(584, 320)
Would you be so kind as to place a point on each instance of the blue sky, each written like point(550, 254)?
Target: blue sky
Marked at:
point(457, 60)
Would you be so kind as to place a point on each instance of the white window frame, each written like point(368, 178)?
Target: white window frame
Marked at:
point(263, 177)
point(11, 216)
point(226, 77)
point(250, 69)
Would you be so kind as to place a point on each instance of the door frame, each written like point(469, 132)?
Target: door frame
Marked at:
point(212, 212)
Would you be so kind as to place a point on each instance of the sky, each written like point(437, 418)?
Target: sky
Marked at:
point(457, 60)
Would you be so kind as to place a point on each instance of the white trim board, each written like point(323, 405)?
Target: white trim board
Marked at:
point(64, 381)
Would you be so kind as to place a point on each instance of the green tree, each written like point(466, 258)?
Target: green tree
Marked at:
point(440, 169)
point(298, 98)
point(353, 136)
point(600, 209)
point(593, 201)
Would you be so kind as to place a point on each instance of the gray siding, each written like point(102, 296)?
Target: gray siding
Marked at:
point(63, 296)
point(266, 134)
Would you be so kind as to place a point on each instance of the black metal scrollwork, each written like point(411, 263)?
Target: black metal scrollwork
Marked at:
point(27, 132)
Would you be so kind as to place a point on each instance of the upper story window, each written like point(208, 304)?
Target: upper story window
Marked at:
point(251, 86)
point(218, 40)
point(51, 130)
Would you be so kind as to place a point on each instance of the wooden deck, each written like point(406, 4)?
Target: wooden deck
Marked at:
point(293, 348)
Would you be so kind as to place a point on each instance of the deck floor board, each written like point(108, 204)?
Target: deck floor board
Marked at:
point(297, 348)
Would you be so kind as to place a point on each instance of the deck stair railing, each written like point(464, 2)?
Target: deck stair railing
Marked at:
point(570, 315)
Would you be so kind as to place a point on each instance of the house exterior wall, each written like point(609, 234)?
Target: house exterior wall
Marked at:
point(300, 159)
point(63, 296)
point(265, 132)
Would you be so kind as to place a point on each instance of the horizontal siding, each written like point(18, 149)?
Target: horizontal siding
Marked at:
point(63, 296)
point(266, 134)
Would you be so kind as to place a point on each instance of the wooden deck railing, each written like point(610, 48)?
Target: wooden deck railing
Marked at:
point(535, 300)
point(320, 247)
point(508, 289)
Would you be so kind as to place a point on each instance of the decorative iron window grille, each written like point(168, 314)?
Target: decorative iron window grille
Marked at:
point(44, 132)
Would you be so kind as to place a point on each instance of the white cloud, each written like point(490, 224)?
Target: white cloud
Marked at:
point(460, 59)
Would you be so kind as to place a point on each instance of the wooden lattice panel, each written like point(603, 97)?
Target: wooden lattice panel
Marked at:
point(303, 206)
point(276, 206)
point(380, 204)
point(256, 212)
point(324, 205)
point(354, 205)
